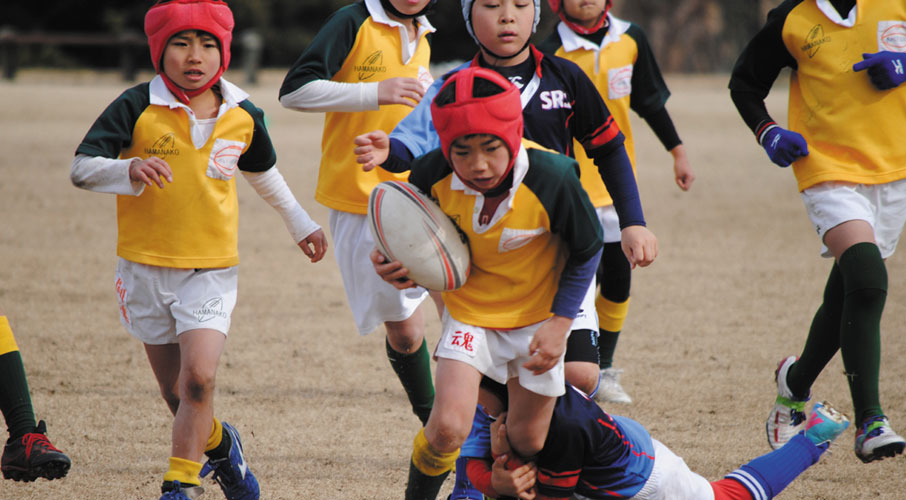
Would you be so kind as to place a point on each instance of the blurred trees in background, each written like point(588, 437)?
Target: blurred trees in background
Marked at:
point(687, 35)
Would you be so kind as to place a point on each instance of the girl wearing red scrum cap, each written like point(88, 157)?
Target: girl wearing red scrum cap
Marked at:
point(535, 244)
point(169, 149)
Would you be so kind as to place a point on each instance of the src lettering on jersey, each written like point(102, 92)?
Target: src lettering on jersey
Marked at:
point(163, 146)
point(554, 99)
point(372, 65)
point(814, 40)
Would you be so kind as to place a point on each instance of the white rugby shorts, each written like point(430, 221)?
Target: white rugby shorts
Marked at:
point(371, 299)
point(830, 204)
point(156, 304)
point(498, 354)
point(610, 223)
point(671, 479)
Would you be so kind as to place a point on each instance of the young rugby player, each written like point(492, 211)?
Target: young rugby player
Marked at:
point(365, 69)
point(616, 56)
point(535, 244)
point(169, 149)
point(844, 140)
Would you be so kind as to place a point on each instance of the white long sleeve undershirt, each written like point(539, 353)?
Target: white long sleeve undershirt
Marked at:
point(325, 95)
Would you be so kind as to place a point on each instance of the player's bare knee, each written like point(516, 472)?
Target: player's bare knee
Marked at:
point(446, 434)
point(582, 377)
point(198, 386)
point(405, 336)
point(171, 397)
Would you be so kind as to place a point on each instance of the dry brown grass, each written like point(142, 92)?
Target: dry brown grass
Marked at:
point(321, 413)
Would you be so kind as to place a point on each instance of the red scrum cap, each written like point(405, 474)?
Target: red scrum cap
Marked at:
point(499, 114)
point(168, 17)
point(557, 6)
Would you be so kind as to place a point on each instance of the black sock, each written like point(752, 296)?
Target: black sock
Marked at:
point(422, 486)
point(607, 345)
point(865, 293)
point(823, 338)
point(223, 449)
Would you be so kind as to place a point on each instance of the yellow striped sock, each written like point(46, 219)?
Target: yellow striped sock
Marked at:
point(428, 461)
point(184, 471)
point(7, 340)
point(611, 315)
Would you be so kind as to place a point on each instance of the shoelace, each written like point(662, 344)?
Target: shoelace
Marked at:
point(222, 473)
point(877, 430)
point(32, 438)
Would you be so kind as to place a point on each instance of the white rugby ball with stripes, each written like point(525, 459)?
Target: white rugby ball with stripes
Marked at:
point(409, 227)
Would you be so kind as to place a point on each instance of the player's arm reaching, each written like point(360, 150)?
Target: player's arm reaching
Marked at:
point(412, 137)
point(754, 74)
point(600, 136)
point(492, 467)
point(258, 166)
point(648, 99)
point(307, 234)
point(571, 215)
point(308, 85)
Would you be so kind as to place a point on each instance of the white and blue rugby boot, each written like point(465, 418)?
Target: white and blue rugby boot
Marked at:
point(232, 472)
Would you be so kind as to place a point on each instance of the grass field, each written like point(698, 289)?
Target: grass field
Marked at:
point(321, 413)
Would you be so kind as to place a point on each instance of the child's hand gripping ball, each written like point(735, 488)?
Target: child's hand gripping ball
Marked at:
point(409, 227)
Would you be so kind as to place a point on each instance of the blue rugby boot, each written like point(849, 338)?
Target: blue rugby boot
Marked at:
point(825, 424)
point(232, 472)
point(176, 491)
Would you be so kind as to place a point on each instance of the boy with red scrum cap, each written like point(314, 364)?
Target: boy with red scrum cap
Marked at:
point(169, 149)
point(535, 244)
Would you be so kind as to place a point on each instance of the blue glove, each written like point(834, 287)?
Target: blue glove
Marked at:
point(783, 146)
point(884, 68)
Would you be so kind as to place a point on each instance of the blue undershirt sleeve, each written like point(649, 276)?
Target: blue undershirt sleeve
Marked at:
point(616, 172)
point(399, 159)
point(574, 282)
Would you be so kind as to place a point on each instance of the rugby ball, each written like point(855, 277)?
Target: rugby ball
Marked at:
point(410, 227)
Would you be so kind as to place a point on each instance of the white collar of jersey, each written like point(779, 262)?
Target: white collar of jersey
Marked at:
point(160, 95)
point(377, 12)
point(573, 41)
point(831, 12)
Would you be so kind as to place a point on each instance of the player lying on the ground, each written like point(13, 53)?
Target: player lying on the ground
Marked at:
point(589, 454)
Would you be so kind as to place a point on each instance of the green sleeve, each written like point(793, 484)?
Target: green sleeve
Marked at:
point(554, 178)
point(260, 154)
point(112, 130)
point(326, 54)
